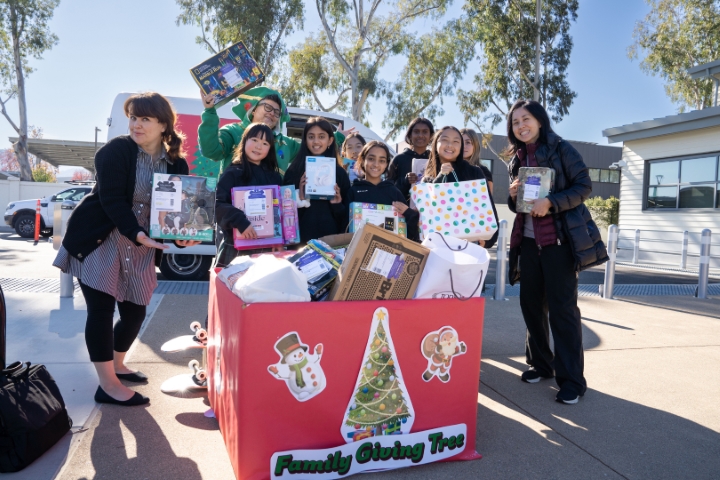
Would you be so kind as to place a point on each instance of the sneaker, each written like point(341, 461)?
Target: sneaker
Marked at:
point(531, 376)
point(567, 397)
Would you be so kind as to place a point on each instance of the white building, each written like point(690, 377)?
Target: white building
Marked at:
point(670, 181)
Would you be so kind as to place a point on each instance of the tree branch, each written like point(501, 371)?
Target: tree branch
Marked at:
point(331, 39)
point(334, 106)
point(5, 114)
point(483, 134)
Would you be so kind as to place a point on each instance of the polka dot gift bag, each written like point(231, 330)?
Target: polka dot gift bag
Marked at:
point(457, 209)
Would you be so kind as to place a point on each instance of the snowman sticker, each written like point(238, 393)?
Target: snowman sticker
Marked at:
point(301, 371)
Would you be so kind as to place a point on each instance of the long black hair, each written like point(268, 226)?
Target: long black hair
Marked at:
point(298, 164)
point(425, 121)
point(263, 132)
point(433, 165)
point(538, 112)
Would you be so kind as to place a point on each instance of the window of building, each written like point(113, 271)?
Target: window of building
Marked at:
point(604, 175)
point(683, 183)
point(487, 164)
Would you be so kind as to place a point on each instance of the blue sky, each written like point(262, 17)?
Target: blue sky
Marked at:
point(107, 47)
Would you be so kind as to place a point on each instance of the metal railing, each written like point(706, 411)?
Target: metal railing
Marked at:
point(682, 240)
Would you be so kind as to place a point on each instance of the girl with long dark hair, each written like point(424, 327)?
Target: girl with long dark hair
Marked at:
point(548, 247)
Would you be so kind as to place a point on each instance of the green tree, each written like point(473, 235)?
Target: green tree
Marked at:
point(25, 33)
point(262, 26)
point(44, 173)
point(526, 48)
point(674, 36)
point(605, 212)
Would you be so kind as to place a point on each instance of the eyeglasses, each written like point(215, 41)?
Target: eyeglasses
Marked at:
point(269, 109)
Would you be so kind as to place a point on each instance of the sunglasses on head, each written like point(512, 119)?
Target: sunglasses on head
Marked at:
point(270, 109)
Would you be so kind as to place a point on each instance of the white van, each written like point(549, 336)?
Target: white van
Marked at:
point(192, 263)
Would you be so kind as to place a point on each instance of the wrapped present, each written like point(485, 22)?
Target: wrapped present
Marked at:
point(182, 207)
point(261, 205)
point(458, 209)
point(383, 216)
point(535, 183)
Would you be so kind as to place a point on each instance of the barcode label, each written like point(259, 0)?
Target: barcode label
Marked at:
point(381, 262)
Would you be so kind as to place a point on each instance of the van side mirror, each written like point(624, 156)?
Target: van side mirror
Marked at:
point(53, 198)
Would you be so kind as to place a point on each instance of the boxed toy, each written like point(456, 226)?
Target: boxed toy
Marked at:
point(290, 223)
point(383, 216)
point(418, 167)
point(320, 174)
point(379, 265)
point(261, 205)
point(182, 207)
point(535, 183)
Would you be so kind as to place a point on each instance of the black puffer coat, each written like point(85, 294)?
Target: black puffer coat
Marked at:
point(572, 219)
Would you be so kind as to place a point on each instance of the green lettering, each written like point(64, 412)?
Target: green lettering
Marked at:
point(282, 463)
point(460, 440)
point(295, 466)
point(418, 450)
point(434, 439)
point(328, 463)
point(345, 464)
point(451, 443)
point(385, 453)
point(405, 452)
point(376, 450)
point(396, 449)
point(313, 466)
point(364, 453)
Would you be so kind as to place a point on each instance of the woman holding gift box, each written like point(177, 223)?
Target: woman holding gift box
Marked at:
point(447, 164)
point(107, 246)
point(254, 164)
point(319, 218)
point(373, 162)
point(558, 238)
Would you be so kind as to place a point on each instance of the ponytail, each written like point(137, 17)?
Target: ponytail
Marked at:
point(174, 144)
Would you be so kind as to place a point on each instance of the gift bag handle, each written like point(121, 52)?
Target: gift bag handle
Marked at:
point(458, 249)
point(454, 175)
point(460, 297)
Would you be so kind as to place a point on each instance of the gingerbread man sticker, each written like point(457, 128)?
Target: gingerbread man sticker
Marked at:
point(440, 347)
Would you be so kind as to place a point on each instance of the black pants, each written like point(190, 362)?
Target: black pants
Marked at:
point(548, 285)
point(100, 336)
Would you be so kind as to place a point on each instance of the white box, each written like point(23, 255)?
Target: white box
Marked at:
point(320, 174)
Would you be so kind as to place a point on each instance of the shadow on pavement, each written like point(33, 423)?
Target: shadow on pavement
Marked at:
point(709, 307)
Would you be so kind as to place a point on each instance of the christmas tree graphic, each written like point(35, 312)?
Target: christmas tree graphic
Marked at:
point(204, 167)
point(380, 404)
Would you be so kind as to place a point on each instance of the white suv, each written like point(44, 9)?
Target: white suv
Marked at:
point(21, 214)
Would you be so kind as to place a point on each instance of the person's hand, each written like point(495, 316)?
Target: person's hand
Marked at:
point(412, 178)
point(446, 168)
point(400, 207)
point(143, 239)
point(303, 182)
point(187, 243)
point(514, 188)
point(346, 132)
point(249, 233)
point(481, 243)
point(337, 198)
point(208, 100)
point(541, 207)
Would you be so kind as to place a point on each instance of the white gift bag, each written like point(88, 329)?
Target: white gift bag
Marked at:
point(272, 279)
point(455, 268)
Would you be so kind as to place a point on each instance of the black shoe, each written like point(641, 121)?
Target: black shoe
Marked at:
point(137, 399)
point(568, 397)
point(137, 377)
point(532, 376)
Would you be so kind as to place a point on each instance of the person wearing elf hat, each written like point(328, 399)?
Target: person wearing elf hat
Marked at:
point(257, 105)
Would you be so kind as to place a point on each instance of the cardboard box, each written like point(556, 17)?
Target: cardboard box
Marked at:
point(535, 183)
point(383, 216)
point(182, 207)
point(320, 173)
point(379, 265)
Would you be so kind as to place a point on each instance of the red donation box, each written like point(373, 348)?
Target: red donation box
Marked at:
point(329, 389)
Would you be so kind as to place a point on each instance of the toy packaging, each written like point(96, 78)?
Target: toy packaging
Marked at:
point(182, 207)
point(261, 205)
point(290, 223)
point(383, 216)
point(228, 74)
point(418, 167)
point(535, 183)
point(320, 174)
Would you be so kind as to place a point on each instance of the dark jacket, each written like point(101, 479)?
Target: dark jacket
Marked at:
point(465, 172)
point(109, 204)
point(226, 215)
point(385, 193)
point(573, 221)
point(321, 218)
point(400, 166)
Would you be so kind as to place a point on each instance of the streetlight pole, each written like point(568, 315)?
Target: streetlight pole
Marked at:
point(96, 132)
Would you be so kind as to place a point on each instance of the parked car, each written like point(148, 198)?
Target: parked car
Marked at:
point(20, 214)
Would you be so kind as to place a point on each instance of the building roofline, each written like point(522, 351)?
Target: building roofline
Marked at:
point(706, 70)
point(683, 122)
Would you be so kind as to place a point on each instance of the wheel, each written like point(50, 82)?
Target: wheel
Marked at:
point(25, 225)
point(195, 326)
point(177, 266)
point(193, 364)
point(201, 375)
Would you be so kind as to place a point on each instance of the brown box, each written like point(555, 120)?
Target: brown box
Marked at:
point(379, 265)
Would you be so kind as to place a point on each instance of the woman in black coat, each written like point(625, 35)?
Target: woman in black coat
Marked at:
point(553, 242)
point(107, 245)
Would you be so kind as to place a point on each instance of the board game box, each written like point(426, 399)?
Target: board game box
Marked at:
point(182, 207)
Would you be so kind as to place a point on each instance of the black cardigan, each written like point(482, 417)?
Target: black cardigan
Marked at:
point(109, 204)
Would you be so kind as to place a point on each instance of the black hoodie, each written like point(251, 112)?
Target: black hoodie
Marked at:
point(384, 193)
point(400, 166)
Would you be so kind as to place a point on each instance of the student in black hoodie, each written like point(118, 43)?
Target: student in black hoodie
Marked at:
point(373, 163)
point(446, 164)
point(321, 217)
point(418, 136)
point(254, 163)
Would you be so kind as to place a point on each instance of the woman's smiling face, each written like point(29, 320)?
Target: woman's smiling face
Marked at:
point(318, 140)
point(525, 127)
point(448, 145)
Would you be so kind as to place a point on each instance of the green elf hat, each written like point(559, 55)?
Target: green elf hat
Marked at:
point(248, 101)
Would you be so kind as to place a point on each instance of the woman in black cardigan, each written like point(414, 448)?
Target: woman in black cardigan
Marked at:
point(107, 245)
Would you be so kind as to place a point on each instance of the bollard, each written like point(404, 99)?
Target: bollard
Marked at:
point(609, 283)
point(636, 248)
point(683, 255)
point(501, 264)
point(704, 270)
point(67, 287)
point(37, 222)
point(62, 214)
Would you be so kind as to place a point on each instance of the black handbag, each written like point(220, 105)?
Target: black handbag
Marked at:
point(33, 416)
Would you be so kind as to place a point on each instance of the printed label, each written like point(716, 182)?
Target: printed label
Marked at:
point(383, 263)
point(532, 189)
point(255, 202)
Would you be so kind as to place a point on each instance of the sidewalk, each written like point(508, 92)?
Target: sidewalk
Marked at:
point(651, 410)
